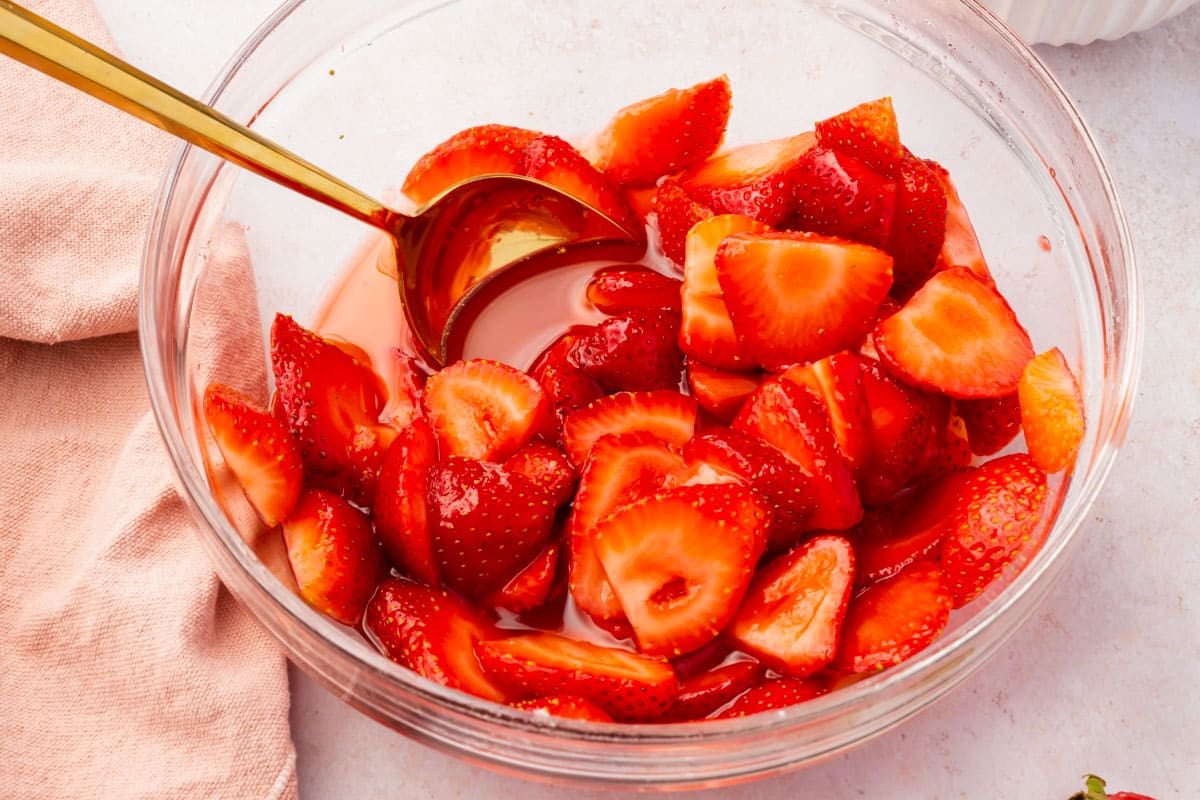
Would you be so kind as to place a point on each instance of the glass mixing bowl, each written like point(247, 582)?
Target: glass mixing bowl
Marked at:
point(364, 88)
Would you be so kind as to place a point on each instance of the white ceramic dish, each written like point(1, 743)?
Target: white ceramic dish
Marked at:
point(1082, 21)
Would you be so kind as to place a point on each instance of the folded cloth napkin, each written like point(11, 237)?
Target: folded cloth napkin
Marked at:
point(126, 669)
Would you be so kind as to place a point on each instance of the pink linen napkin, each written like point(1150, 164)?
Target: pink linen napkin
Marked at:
point(126, 669)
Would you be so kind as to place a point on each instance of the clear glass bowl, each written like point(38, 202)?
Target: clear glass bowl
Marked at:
point(363, 88)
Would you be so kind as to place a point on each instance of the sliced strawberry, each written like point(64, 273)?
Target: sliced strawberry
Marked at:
point(548, 468)
point(919, 228)
point(796, 297)
point(951, 454)
point(792, 420)
point(553, 160)
point(894, 620)
point(991, 422)
point(530, 587)
point(619, 291)
point(334, 555)
point(664, 134)
point(957, 336)
point(565, 706)
point(1051, 411)
point(258, 450)
point(757, 180)
point(703, 693)
point(838, 195)
point(960, 244)
point(868, 132)
point(677, 213)
point(641, 200)
point(401, 511)
point(475, 151)
point(995, 521)
point(487, 523)
point(771, 695)
point(635, 351)
point(630, 687)
point(434, 633)
point(719, 392)
point(680, 562)
point(484, 409)
point(565, 384)
point(792, 615)
point(668, 415)
point(837, 381)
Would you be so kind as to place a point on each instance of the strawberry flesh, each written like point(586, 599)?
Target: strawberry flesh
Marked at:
point(467, 154)
point(719, 392)
point(837, 381)
point(838, 195)
point(771, 695)
point(530, 587)
point(1051, 411)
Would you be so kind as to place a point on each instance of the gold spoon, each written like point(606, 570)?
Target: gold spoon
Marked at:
point(473, 229)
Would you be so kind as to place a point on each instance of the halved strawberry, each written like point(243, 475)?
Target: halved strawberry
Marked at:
point(1051, 411)
point(548, 468)
point(401, 511)
point(703, 693)
point(676, 213)
point(530, 587)
point(757, 180)
point(796, 297)
point(838, 195)
point(991, 423)
point(680, 562)
point(475, 151)
point(771, 695)
point(868, 132)
point(894, 620)
point(995, 520)
point(566, 706)
point(258, 450)
point(641, 200)
point(919, 228)
point(957, 336)
point(630, 687)
point(635, 351)
point(618, 291)
point(951, 453)
point(663, 134)
point(334, 555)
point(553, 160)
point(960, 244)
point(720, 392)
point(434, 633)
point(565, 384)
point(836, 380)
point(484, 409)
point(792, 616)
point(668, 415)
point(486, 522)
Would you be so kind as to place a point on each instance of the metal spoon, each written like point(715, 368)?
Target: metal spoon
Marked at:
point(473, 229)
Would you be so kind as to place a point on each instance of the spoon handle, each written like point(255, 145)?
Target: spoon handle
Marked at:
point(39, 43)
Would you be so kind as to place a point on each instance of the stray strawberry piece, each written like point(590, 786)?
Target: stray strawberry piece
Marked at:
point(1095, 790)
point(635, 351)
point(719, 392)
point(836, 380)
point(680, 562)
point(630, 687)
point(433, 633)
point(258, 450)
point(991, 423)
point(960, 244)
point(668, 415)
point(620, 291)
point(401, 511)
point(838, 195)
point(475, 151)
point(797, 297)
point(792, 615)
point(771, 695)
point(705, 692)
point(548, 468)
point(566, 707)
point(956, 336)
point(1051, 411)
point(334, 555)
point(677, 213)
point(664, 134)
point(553, 160)
point(484, 409)
point(995, 520)
point(530, 587)
point(894, 620)
point(868, 132)
point(757, 180)
point(487, 523)
point(919, 228)
point(909, 529)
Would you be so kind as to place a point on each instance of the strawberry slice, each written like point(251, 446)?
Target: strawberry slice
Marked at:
point(548, 468)
point(957, 336)
point(434, 633)
point(791, 419)
point(630, 687)
point(792, 615)
point(1051, 411)
point(484, 409)
point(475, 151)
point(703, 693)
point(553, 160)
point(486, 522)
point(635, 351)
point(894, 620)
point(756, 180)
point(868, 132)
point(995, 521)
point(951, 454)
point(960, 243)
point(530, 587)
point(676, 213)
point(663, 134)
point(796, 297)
point(991, 423)
point(565, 706)
point(564, 383)
point(919, 228)
point(401, 511)
point(641, 200)
point(258, 450)
point(837, 381)
point(619, 291)
point(668, 415)
point(773, 694)
point(838, 195)
point(719, 392)
point(680, 562)
point(334, 555)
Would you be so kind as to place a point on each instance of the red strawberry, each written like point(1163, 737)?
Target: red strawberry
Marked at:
point(641, 199)
point(919, 228)
point(796, 297)
point(433, 633)
point(680, 562)
point(705, 692)
point(894, 620)
point(401, 510)
point(950, 454)
point(565, 384)
point(334, 555)
point(838, 195)
point(957, 336)
point(868, 132)
point(636, 351)
point(548, 468)
point(792, 615)
point(1051, 411)
point(991, 423)
point(553, 160)
point(668, 415)
point(1096, 791)
point(466, 154)
point(663, 134)
point(484, 409)
point(773, 694)
point(792, 420)
point(404, 380)
point(719, 392)
point(565, 706)
point(995, 521)
point(530, 587)
point(619, 291)
point(487, 523)
point(630, 687)
point(757, 180)
point(960, 244)
point(837, 382)
point(258, 450)
point(677, 213)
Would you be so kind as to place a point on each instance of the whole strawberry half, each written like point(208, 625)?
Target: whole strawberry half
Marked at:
point(868, 132)
point(703, 693)
point(676, 213)
point(634, 351)
point(666, 414)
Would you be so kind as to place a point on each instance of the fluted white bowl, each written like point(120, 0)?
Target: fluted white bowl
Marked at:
point(1082, 21)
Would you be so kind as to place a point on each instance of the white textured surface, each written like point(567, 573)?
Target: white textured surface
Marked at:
point(1103, 678)
point(1082, 21)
